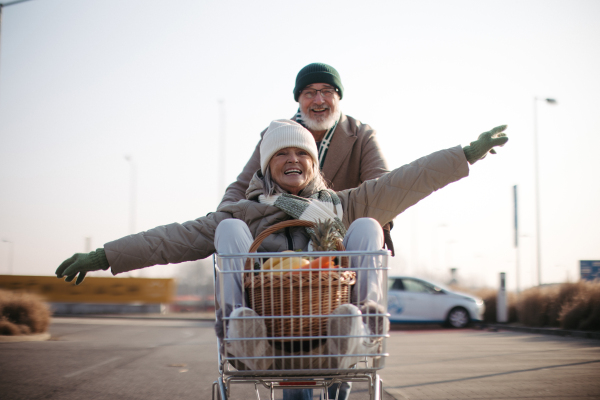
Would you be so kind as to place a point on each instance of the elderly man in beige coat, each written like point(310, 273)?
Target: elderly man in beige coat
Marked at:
point(349, 153)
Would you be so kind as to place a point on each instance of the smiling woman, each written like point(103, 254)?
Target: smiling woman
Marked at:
point(292, 168)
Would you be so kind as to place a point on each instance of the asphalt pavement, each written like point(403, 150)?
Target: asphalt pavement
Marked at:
point(169, 358)
point(490, 364)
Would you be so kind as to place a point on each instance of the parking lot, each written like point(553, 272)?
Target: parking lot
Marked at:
point(100, 358)
point(479, 364)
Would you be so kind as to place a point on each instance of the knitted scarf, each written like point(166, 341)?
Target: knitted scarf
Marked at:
point(322, 205)
point(324, 146)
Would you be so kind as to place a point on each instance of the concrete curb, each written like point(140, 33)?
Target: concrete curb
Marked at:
point(544, 331)
point(36, 337)
point(185, 317)
point(211, 317)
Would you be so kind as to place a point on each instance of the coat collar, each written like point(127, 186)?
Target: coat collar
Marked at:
point(341, 146)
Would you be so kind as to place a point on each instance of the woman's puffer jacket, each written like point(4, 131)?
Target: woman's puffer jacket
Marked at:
point(382, 199)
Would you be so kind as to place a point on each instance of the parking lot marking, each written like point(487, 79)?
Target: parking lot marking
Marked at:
point(81, 371)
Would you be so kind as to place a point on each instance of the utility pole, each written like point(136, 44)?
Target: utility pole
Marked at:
point(517, 261)
point(537, 185)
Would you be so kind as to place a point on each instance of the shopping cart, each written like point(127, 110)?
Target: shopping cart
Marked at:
point(303, 331)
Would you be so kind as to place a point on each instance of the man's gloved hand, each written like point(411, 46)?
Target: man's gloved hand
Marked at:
point(81, 264)
point(486, 142)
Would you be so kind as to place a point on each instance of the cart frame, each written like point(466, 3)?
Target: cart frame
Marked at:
point(289, 376)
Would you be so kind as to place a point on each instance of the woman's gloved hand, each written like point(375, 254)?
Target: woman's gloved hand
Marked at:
point(81, 264)
point(486, 142)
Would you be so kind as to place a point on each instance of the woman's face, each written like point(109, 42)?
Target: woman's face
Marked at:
point(292, 169)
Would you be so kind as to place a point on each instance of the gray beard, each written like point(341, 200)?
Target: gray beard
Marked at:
point(320, 125)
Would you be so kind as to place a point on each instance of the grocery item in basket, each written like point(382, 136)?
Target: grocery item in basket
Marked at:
point(298, 263)
point(284, 263)
point(322, 262)
point(324, 236)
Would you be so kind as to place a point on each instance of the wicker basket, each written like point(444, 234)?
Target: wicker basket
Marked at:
point(301, 294)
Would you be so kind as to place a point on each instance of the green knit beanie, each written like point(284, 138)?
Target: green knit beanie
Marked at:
point(318, 73)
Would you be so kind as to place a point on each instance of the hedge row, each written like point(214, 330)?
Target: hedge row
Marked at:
point(22, 313)
point(568, 306)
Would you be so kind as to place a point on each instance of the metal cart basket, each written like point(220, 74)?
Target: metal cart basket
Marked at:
point(301, 327)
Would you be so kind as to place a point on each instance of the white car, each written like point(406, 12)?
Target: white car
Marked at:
point(415, 300)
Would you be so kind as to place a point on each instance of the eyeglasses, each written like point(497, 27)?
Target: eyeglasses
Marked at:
point(312, 93)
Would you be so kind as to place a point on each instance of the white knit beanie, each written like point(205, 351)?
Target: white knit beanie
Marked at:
point(284, 133)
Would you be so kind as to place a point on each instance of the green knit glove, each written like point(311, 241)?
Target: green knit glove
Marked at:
point(478, 149)
point(81, 264)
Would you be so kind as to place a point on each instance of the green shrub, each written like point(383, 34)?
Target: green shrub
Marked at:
point(22, 313)
point(567, 305)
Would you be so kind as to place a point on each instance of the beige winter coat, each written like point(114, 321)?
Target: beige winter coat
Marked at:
point(381, 199)
point(354, 156)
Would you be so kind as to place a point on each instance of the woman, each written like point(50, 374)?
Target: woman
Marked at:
point(289, 186)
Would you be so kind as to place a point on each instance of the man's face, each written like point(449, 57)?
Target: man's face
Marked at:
point(320, 112)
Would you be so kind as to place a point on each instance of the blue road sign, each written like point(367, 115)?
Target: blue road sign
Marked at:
point(589, 270)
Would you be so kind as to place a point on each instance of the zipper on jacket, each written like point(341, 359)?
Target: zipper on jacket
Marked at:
point(289, 239)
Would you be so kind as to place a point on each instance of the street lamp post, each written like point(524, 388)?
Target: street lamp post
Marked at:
point(10, 244)
point(517, 258)
point(537, 184)
point(132, 204)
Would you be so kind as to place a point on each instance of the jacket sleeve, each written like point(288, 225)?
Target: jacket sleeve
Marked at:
point(167, 244)
point(237, 190)
point(383, 199)
point(373, 163)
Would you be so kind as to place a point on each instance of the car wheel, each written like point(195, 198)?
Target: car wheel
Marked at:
point(458, 317)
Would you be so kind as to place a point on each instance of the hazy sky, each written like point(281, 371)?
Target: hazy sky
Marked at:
point(85, 83)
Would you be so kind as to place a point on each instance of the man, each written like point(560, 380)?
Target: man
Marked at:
point(349, 153)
